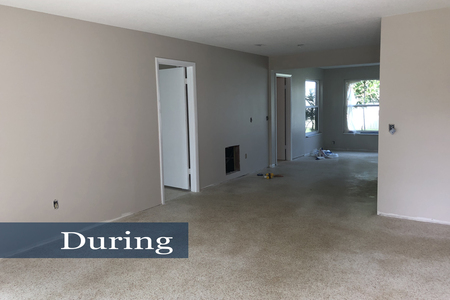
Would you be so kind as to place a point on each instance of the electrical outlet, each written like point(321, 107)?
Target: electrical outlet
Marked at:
point(334, 142)
point(267, 118)
point(245, 155)
point(55, 204)
point(251, 120)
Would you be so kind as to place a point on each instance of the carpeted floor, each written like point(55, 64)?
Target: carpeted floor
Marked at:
point(173, 193)
point(312, 234)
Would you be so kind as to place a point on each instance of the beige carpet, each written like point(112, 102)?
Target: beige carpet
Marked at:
point(173, 193)
point(312, 234)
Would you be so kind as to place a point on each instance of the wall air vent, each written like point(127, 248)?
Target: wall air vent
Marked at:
point(232, 163)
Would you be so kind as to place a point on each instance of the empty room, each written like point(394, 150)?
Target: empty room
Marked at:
point(209, 122)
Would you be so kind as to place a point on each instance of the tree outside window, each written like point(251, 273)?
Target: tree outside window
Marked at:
point(312, 107)
point(363, 105)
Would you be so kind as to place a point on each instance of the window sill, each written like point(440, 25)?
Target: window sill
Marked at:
point(362, 133)
point(308, 135)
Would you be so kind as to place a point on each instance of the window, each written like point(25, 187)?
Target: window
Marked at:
point(363, 105)
point(312, 107)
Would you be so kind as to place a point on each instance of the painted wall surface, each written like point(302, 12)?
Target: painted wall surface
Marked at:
point(413, 163)
point(301, 144)
point(337, 57)
point(79, 116)
point(334, 114)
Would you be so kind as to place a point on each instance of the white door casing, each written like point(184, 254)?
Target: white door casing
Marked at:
point(192, 120)
point(282, 84)
point(281, 118)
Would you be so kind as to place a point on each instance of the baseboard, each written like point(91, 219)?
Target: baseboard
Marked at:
point(419, 219)
point(353, 150)
point(122, 216)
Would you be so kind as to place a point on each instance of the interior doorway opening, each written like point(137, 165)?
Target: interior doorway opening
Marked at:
point(283, 116)
point(178, 133)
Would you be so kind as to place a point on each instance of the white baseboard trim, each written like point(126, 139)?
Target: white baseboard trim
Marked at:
point(122, 216)
point(353, 150)
point(419, 219)
point(300, 156)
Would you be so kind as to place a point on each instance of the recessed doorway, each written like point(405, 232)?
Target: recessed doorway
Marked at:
point(177, 119)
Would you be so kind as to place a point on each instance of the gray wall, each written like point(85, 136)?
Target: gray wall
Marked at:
point(334, 115)
point(301, 144)
point(414, 163)
point(337, 57)
point(79, 116)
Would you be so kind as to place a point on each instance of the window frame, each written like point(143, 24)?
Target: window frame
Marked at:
point(316, 106)
point(347, 82)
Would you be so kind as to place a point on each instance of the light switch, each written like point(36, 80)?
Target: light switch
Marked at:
point(392, 129)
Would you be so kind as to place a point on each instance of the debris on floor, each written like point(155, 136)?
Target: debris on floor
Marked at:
point(322, 154)
point(269, 175)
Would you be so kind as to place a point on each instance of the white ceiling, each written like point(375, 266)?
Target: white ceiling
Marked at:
point(240, 24)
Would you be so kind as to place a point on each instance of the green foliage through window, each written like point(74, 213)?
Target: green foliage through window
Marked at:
point(312, 108)
point(366, 91)
point(363, 105)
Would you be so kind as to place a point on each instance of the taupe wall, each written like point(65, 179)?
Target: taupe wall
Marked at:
point(79, 118)
point(334, 115)
point(337, 57)
point(415, 86)
point(301, 144)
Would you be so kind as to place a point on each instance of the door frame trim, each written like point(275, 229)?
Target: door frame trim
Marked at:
point(193, 123)
point(288, 116)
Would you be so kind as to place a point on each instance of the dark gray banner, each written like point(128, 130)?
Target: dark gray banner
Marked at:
point(94, 240)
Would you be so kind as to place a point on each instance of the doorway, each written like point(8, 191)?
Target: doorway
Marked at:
point(178, 134)
point(283, 116)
